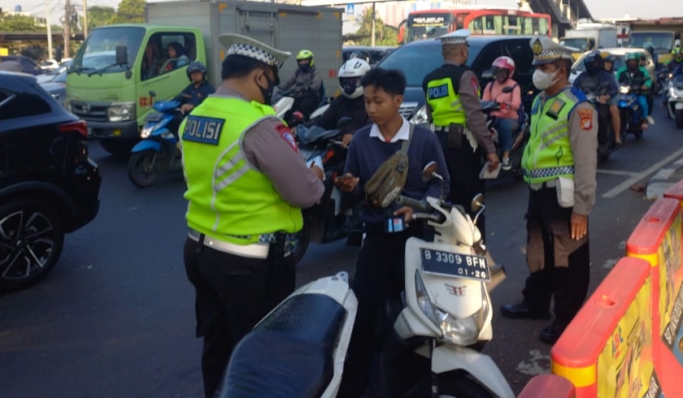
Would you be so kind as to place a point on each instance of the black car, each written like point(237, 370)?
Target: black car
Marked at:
point(48, 184)
point(27, 64)
point(418, 58)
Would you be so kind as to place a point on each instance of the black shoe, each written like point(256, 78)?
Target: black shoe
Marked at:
point(521, 311)
point(551, 334)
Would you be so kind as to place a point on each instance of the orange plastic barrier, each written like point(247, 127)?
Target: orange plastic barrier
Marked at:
point(548, 386)
point(657, 239)
point(675, 192)
point(607, 349)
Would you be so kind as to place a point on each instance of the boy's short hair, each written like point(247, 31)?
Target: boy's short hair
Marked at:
point(392, 81)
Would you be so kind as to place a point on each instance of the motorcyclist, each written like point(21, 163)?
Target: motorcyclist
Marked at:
point(307, 84)
point(654, 56)
point(198, 89)
point(634, 75)
point(350, 103)
point(594, 76)
point(614, 101)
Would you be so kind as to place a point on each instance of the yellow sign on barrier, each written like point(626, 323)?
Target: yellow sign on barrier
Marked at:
point(670, 281)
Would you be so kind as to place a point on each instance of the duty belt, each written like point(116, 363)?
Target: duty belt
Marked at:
point(254, 250)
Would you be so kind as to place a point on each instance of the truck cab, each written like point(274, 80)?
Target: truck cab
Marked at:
point(111, 76)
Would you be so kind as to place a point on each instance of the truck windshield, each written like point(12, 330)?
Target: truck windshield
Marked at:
point(428, 26)
point(580, 42)
point(657, 40)
point(99, 51)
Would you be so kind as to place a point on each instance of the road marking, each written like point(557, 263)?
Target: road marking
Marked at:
point(663, 174)
point(532, 367)
point(618, 172)
point(628, 183)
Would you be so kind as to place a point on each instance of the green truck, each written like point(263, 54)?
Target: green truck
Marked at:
point(116, 68)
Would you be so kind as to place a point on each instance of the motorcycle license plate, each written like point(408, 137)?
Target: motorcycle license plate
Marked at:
point(679, 105)
point(454, 264)
point(153, 117)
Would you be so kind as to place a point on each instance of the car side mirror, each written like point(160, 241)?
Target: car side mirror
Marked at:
point(121, 55)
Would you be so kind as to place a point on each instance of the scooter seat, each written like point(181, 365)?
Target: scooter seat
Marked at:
point(290, 354)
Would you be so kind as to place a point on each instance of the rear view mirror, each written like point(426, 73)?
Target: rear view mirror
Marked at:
point(477, 203)
point(121, 55)
point(429, 170)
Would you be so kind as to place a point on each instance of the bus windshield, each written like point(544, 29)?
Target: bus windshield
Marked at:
point(428, 26)
point(99, 51)
point(657, 40)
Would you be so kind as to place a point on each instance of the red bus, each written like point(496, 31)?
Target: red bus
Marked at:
point(429, 24)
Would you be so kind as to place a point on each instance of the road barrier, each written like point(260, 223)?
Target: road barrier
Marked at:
point(607, 349)
point(548, 386)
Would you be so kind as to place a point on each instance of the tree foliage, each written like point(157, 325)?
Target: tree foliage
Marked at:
point(384, 35)
point(99, 16)
point(129, 11)
point(18, 23)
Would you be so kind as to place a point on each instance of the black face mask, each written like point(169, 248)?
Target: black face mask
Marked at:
point(305, 67)
point(267, 93)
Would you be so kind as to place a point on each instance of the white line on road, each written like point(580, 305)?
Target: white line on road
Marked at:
point(628, 183)
point(618, 172)
point(663, 174)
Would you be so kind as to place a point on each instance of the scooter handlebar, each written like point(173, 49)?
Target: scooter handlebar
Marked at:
point(420, 205)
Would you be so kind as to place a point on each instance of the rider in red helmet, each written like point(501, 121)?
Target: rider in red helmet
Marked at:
point(507, 119)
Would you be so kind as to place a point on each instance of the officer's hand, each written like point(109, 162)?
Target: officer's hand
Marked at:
point(347, 182)
point(318, 171)
point(407, 213)
point(186, 108)
point(346, 140)
point(493, 161)
point(579, 226)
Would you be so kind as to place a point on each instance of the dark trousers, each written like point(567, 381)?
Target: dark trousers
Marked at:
point(559, 265)
point(464, 166)
point(651, 99)
point(233, 294)
point(379, 274)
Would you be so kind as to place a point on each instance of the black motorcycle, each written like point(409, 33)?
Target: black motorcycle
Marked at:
point(594, 91)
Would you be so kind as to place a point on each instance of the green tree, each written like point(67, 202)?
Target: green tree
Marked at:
point(129, 11)
point(18, 23)
point(384, 35)
point(99, 16)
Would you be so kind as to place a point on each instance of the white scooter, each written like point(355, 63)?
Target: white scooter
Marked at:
point(674, 98)
point(447, 310)
point(298, 349)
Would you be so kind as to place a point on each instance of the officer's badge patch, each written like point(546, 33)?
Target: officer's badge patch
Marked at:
point(537, 47)
point(475, 85)
point(286, 134)
point(204, 130)
point(586, 116)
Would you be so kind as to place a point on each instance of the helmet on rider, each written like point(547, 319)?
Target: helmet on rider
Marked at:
point(609, 62)
point(632, 60)
point(677, 54)
point(350, 74)
point(196, 66)
point(594, 62)
point(305, 60)
point(503, 68)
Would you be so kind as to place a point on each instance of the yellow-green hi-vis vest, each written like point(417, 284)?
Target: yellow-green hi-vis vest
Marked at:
point(548, 155)
point(228, 198)
point(445, 103)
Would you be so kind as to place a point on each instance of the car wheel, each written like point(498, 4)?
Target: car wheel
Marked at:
point(31, 241)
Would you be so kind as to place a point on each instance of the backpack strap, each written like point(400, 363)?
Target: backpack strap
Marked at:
point(406, 144)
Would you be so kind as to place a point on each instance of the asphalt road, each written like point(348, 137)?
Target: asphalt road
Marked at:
point(115, 318)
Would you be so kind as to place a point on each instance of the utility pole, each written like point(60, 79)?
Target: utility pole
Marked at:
point(85, 19)
point(67, 27)
point(372, 29)
point(49, 29)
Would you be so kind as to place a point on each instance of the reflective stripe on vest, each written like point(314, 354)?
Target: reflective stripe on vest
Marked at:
point(548, 154)
point(445, 103)
point(228, 199)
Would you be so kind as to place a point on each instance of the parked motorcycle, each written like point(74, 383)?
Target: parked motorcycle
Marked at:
point(158, 152)
point(328, 221)
point(444, 315)
point(606, 144)
point(298, 349)
point(629, 111)
point(674, 102)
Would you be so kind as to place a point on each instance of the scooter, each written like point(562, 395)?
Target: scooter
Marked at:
point(629, 111)
point(674, 99)
point(298, 349)
point(444, 315)
point(606, 143)
point(283, 103)
point(327, 221)
point(158, 152)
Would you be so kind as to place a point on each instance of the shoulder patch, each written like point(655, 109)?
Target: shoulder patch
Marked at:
point(475, 84)
point(586, 116)
point(286, 134)
point(203, 130)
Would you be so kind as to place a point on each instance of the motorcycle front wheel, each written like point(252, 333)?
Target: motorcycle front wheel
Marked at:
point(144, 168)
point(457, 385)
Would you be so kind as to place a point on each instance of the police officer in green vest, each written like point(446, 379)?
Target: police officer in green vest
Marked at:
point(453, 105)
point(246, 186)
point(559, 165)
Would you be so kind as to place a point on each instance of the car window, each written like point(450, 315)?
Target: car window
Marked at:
point(26, 64)
point(161, 61)
point(21, 104)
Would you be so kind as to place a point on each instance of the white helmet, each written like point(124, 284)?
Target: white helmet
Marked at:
point(350, 74)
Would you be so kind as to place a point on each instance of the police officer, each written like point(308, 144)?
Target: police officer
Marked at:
point(246, 185)
point(452, 94)
point(559, 165)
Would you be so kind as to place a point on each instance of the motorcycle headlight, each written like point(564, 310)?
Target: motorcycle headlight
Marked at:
point(146, 131)
point(121, 111)
point(420, 116)
point(623, 89)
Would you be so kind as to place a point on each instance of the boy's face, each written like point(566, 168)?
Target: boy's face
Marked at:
point(380, 105)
